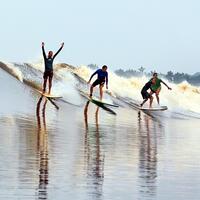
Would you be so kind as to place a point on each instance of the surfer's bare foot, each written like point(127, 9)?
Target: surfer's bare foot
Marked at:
point(90, 95)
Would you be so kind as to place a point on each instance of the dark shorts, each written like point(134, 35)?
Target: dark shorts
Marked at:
point(48, 74)
point(145, 95)
point(98, 82)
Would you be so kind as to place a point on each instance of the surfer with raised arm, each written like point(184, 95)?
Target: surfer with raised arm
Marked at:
point(48, 62)
point(156, 86)
point(102, 78)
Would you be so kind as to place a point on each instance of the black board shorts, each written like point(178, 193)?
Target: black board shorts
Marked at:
point(145, 94)
point(48, 74)
point(98, 82)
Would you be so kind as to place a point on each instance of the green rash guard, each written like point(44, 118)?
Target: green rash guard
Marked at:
point(157, 85)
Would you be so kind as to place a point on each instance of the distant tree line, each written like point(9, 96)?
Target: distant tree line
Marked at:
point(180, 77)
point(175, 77)
point(93, 66)
point(131, 72)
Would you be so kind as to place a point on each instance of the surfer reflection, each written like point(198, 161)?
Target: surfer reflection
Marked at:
point(93, 157)
point(148, 129)
point(42, 145)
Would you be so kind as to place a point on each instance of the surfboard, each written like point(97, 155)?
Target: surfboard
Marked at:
point(110, 111)
point(96, 101)
point(49, 95)
point(160, 108)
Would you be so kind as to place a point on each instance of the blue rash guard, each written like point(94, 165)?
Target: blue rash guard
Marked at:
point(101, 75)
point(48, 62)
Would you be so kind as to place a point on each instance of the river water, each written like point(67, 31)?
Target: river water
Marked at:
point(84, 152)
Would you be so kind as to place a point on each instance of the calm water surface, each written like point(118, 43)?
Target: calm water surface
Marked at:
point(87, 153)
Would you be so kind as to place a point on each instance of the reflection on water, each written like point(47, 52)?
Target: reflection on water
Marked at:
point(93, 159)
point(147, 154)
point(42, 147)
point(87, 153)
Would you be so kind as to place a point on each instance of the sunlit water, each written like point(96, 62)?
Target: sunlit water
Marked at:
point(88, 153)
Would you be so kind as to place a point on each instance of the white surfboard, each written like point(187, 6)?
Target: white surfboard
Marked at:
point(160, 108)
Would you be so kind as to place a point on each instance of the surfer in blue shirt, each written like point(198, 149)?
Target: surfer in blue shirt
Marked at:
point(48, 62)
point(102, 78)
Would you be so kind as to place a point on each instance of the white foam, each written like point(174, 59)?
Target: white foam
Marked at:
point(182, 97)
point(15, 71)
point(39, 65)
point(66, 87)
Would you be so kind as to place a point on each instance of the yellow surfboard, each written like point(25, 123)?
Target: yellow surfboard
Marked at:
point(49, 95)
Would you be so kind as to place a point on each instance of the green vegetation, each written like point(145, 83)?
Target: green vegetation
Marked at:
point(170, 76)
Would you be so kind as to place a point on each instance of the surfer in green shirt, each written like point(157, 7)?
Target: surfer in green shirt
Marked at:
point(156, 87)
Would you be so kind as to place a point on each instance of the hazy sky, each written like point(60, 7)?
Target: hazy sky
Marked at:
point(159, 35)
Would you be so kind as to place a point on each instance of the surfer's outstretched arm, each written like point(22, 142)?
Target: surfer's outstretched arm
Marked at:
point(62, 45)
point(43, 51)
point(92, 76)
point(107, 81)
point(166, 85)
